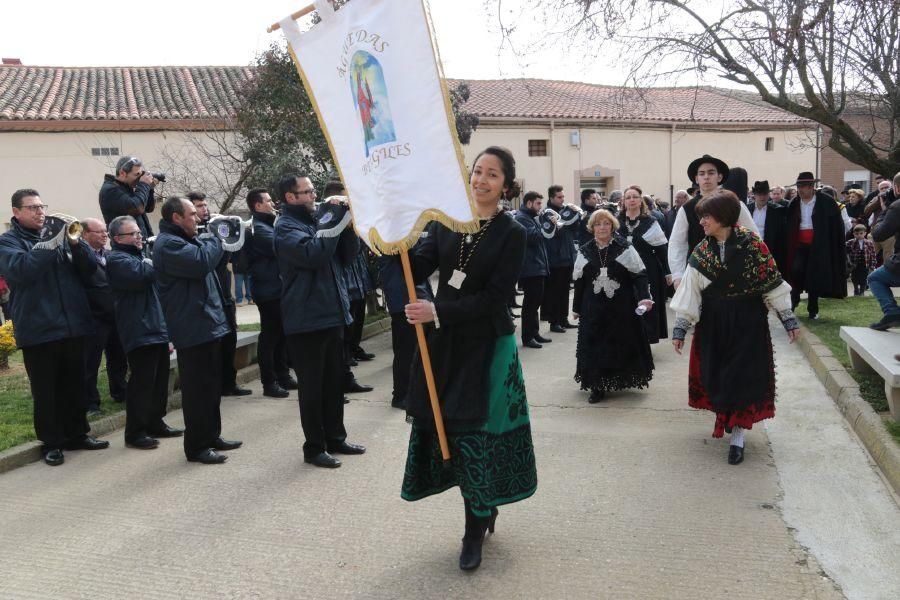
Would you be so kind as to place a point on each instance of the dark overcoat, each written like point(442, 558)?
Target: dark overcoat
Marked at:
point(826, 273)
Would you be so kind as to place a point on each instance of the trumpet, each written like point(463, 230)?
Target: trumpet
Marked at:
point(57, 229)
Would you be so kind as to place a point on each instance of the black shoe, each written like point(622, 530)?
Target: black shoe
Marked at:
point(814, 317)
point(360, 354)
point(54, 458)
point(323, 459)
point(275, 391)
point(398, 404)
point(346, 400)
point(886, 323)
point(532, 343)
point(86, 443)
point(355, 387)
point(208, 457)
point(353, 362)
point(237, 391)
point(470, 557)
point(144, 442)
point(597, 396)
point(568, 325)
point(557, 328)
point(221, 444)
point(347, 448)
point(542, 339)
point(288, 383)
point(165, 432)
point(735, 455)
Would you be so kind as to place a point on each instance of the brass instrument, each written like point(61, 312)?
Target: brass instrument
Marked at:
point(57, 229)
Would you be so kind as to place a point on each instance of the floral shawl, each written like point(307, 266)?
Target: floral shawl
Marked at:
point(745, 252)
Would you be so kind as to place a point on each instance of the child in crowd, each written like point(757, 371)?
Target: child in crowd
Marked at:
point(860, 259)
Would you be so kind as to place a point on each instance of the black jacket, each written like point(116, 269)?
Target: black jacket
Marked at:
point(888, 224)
point(47, 298)
point(826, 272)
point(265, 282)
point(471, 318)
point(188, 287)
point(561, 247)
point(535, 263)
point(582, 235)
point(393, 284)
point(775, 233)
point(313, 293)
point(139, 315)
point(100, 295)
point(117, 199)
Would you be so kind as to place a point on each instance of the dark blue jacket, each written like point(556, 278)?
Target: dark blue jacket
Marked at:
point(561, 247)
point(535, 264)
point(189, 290)
point(117, 199)
point(265, 282)
point(47, 301)
point(356, 275)
point(139, 315)
point(313, 291)
point(393, 284)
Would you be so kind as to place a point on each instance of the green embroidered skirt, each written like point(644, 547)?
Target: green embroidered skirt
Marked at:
point(493, 464)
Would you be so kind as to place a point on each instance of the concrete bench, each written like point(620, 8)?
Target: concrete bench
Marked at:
point(873, 352)
point(245, 355)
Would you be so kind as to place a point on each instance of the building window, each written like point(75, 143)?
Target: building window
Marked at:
point(770, 144)
point(104, 151)
point(537, 147)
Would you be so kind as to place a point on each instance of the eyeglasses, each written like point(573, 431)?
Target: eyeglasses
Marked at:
point(303, 192)
point(133, 234)
point(36, 207)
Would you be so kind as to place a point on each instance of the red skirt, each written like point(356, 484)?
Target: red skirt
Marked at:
point(744, 416)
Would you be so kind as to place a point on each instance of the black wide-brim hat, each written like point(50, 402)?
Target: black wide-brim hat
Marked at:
point(760, 187)
point(721, 167)
point(806, 177)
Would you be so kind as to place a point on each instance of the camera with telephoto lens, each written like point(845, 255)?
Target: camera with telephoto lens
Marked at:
point(159, 176)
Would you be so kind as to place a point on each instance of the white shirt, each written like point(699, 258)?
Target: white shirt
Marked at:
point(806, 211)
point(759, 217)
point(678, 241)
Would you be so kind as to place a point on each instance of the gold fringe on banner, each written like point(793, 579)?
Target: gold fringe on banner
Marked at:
point(429, 214)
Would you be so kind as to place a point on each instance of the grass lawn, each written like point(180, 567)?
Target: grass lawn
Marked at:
point(855, 312)
point(370, 318)
point(16, 423)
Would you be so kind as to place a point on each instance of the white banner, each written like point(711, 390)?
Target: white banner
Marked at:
point(373, 76)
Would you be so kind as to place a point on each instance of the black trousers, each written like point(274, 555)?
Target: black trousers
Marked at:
point(106, 339)
point(318, 360)
point(229, 349)
point(56, 373)
point(555, 302)
point(271, 352)
point(798, 273)
point(859, 276)
point(148, 390)
point(533, 290)
point(353, 331)
point(200, 373)
point(403, 341)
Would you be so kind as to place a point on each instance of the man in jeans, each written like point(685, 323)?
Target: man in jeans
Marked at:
point(882, 279)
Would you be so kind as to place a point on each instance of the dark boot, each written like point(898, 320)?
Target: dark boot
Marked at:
point(470, 557)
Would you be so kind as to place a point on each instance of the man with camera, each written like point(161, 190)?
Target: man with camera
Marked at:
point(315, 308)
point(882, 279)
point(130, 192)
point(229, 342)
point(50, 310)
point(142, 328)
point(189, 291)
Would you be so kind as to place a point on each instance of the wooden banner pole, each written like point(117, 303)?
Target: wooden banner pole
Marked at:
point(300, 13)
point(426, 360)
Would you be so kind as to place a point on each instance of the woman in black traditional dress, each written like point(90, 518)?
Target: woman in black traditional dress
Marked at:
point(643, 231)
point(475, 362)
point(730, 283)
point(610, 290)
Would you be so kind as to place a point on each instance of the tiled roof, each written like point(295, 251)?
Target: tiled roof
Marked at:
point(149, 97)
point(118, 93)
point(545, 99)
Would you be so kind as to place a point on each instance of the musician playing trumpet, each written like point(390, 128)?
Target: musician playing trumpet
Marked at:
point(560, 262)
point(50, 310)
point(539, 224)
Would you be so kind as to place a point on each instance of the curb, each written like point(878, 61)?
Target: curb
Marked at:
point(29, 452)
point(860, 415)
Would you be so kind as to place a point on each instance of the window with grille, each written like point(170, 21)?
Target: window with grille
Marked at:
point(104, 151)
point(770, 144)
point(537, 147)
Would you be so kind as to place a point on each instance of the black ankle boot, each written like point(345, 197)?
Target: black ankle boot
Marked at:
point(470, 557)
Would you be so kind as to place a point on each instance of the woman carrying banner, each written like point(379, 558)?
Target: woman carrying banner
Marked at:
point(730, 283)
point(610, 286)
point(476, 364)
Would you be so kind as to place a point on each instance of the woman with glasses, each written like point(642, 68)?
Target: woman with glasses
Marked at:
point(729, 285)
point(476, 365)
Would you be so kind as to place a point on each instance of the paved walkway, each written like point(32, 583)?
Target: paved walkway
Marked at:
point(635, 500)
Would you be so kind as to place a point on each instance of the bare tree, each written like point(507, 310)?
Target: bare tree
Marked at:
point(835, 62)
